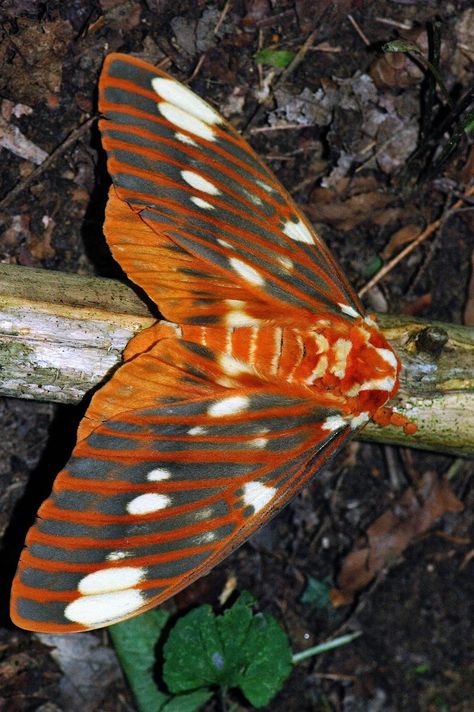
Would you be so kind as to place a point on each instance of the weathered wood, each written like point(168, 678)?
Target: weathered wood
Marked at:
point(62, 334)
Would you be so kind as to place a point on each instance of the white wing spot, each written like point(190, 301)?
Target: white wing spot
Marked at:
point(205, 538)
point(199, 182)
point(229, 406)
point(185, 139)
point(158, 474)
point(333, 422)
point(237, 316)
point(259, 443)
point(236, 319)
point(147, 503)
point(298, 231)
point(252, 197)
point(265, 186)
point(113, 579)
point(233, 366)
point(202, 203)
point(197, 430)
point(286, 262)
point(224, 243)
point(117, 555)
point(257, 495)
point(105, 608)
point(187, 122)
point(388, 356)
point(360, 419)
point(346, 309)
point(185, 99)
point(250, 274)
point(378, 384)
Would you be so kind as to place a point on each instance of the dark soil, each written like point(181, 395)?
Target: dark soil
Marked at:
point(342, 154)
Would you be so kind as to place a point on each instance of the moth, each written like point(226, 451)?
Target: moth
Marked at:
point(265, 367)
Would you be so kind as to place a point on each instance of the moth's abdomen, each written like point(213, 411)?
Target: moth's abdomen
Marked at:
point(351, 366)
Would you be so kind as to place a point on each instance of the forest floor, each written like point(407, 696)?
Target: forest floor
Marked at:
point(337, 128)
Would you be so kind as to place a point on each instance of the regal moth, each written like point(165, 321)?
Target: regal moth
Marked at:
point(265, 367)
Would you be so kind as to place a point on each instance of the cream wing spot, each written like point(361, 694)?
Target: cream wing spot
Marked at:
point(341, 350)
point(318, 371)
point(257, 495)
point(250, 274)
point(104, 608)
point(158, 474)
point(185, 99)
point(321, 342)
point(233, 405)
point(185, 121)
point(199, 182)
point(298, 231)
point(148, 503)
point(116, 578)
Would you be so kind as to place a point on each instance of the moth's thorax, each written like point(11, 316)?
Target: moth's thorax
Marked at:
point(342, 362)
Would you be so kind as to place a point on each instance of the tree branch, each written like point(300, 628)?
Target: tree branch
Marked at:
point(62, 334)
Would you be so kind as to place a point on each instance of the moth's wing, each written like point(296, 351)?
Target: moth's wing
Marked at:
point(171, 472)
point(220, 226)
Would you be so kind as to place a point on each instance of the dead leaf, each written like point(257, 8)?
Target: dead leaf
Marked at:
point(393, 531)
point(418, 305)
point(328, 207)
point(397, 69)
point(40, 245)
point(35, 69)
point(87, 667)
point(401, 237)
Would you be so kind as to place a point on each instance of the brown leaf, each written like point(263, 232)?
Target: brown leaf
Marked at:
point(328, 207)
point(393, 531)
point(418, 305)
point(401, 237)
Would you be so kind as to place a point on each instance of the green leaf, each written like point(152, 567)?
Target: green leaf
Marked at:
point(187, 703)
point(316, 594)
point(236, 649)
point(400, 45)
point(135, 641)
point(275, 58)
point(193, 652)
point(371, 267)
point(268, 662)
